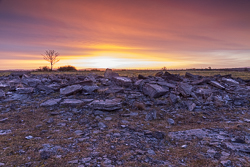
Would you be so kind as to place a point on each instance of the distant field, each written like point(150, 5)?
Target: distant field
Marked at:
point(135, 73)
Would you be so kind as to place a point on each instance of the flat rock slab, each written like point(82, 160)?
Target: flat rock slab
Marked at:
point(4, 132)
point(196, 133)
point(216, 84)
point(166, 84)
point(4, 85)
point(185, 89)
point(107, 105)
point(50, 102)
point(123, 81)
point(154, 90)
point(31, 82)
point(230, 81)
point(70, 90)
point(24, 90)
point(71, 102)
point(115, 90)
point(90, 89)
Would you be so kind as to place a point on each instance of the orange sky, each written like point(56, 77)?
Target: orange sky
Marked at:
point(147, 34)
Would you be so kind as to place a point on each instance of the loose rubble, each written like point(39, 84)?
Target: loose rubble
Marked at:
point(112, 120)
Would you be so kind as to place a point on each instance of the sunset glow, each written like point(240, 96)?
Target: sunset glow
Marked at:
point(124, 34)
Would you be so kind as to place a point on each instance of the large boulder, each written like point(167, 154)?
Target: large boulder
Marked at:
point(173, 77)
point(185, 89)
point(107, 105)
point(154, 90)
point(123, 81)
point(110, 74)
point(70, 89)
point(191, 76)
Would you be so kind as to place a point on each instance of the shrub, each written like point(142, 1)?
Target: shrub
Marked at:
point(139, 105)
point(67, 68)
point(95, 69)
point(44, 68)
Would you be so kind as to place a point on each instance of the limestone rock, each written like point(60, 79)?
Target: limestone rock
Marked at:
point(216, 84)
point(230, 81)
point(168, 76)
point(24, 90)
point(123, 81)
point(191, 76)
point(70, 90)
point(71, 102)
point(107, 105)
point(159, 74)
point(31, 82)
point(185, 89)
point(2, 94)
point(110, 74)
point(90, 89)
point(154, 90)
point(50, 102)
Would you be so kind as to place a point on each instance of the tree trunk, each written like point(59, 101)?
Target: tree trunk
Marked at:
point(51, 66)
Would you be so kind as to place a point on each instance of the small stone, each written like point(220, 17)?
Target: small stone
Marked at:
point(108, 119)
point(73, 162)
point(102, 125)
point(117, 134)
point(158, 135)
point(54, 113)
point(45, 154)
point(184, 146)
point(50, 121)
point(107, 162)
point(79, 132)
point(3, 120)
point(2, 94)
point(140, 152)
point(29, 137)
point(170, 121)
point(151, 152)
point(247, 120)
point(226, 163)
point(86, 160)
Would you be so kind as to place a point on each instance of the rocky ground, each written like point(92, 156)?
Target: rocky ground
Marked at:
point(112, 120)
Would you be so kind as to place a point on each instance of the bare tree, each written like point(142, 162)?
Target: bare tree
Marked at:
point(52, 57)
point(163, 68)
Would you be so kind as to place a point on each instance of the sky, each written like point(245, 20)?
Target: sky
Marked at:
point(125, 34)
